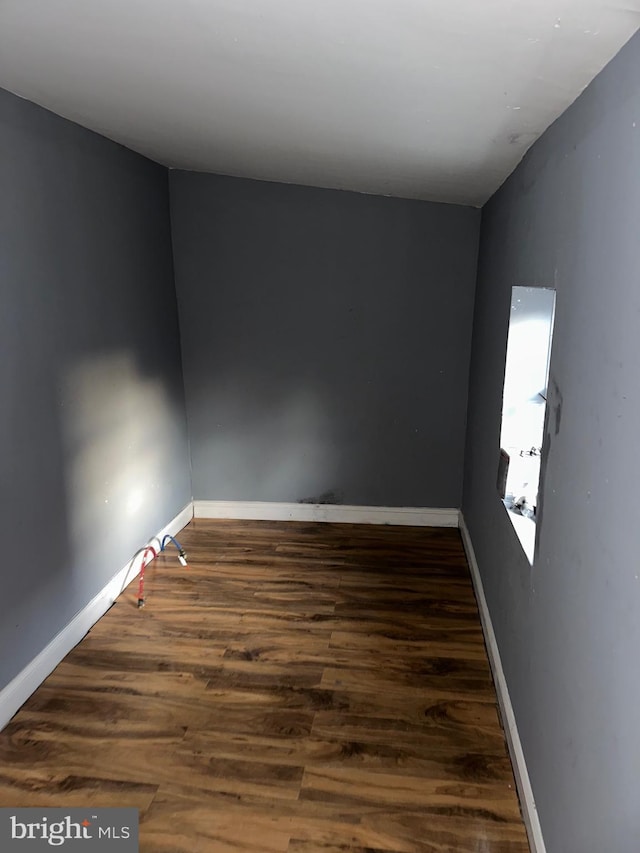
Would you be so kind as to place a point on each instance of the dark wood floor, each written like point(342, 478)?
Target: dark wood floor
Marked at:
point(300, 687)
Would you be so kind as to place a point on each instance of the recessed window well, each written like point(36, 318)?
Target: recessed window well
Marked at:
point(524, 403)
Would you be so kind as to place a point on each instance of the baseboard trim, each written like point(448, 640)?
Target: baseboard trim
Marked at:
point(268, 511)
point(523, 783)
point(16, 693)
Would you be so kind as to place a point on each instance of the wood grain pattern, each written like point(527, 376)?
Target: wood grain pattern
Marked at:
point(300, 687)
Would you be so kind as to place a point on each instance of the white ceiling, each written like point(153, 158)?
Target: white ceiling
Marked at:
point(431, 99)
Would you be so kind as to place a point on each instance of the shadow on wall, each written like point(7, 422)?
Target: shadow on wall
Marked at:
point(359, 435)
point(285, 450)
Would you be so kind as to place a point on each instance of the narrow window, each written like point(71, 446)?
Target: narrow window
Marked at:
point(524, 403)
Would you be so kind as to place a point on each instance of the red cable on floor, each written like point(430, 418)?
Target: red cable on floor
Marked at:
point(142, 568)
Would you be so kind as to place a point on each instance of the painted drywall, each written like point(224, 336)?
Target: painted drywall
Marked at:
point(325, 340)
point(92, 423)
point(435, 100)
point(568, 628)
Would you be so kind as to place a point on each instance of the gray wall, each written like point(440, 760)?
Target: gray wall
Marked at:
point(92, 423)
point(569, 627)
point(325, 340)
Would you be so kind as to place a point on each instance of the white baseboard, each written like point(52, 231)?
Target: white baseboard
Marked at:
point(16, 693)
point(267, 511)
point(523, 783)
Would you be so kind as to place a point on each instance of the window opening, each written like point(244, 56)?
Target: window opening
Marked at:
point(524, 403)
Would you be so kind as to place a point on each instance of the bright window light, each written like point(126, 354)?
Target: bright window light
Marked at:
point(524, 404)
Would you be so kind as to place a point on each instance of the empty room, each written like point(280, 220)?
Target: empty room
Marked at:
point(319, 346)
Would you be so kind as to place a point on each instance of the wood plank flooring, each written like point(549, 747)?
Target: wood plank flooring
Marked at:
point(300, 687)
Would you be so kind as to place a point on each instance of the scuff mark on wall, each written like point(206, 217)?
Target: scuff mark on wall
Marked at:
point(333, 496)
point(556, 405)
